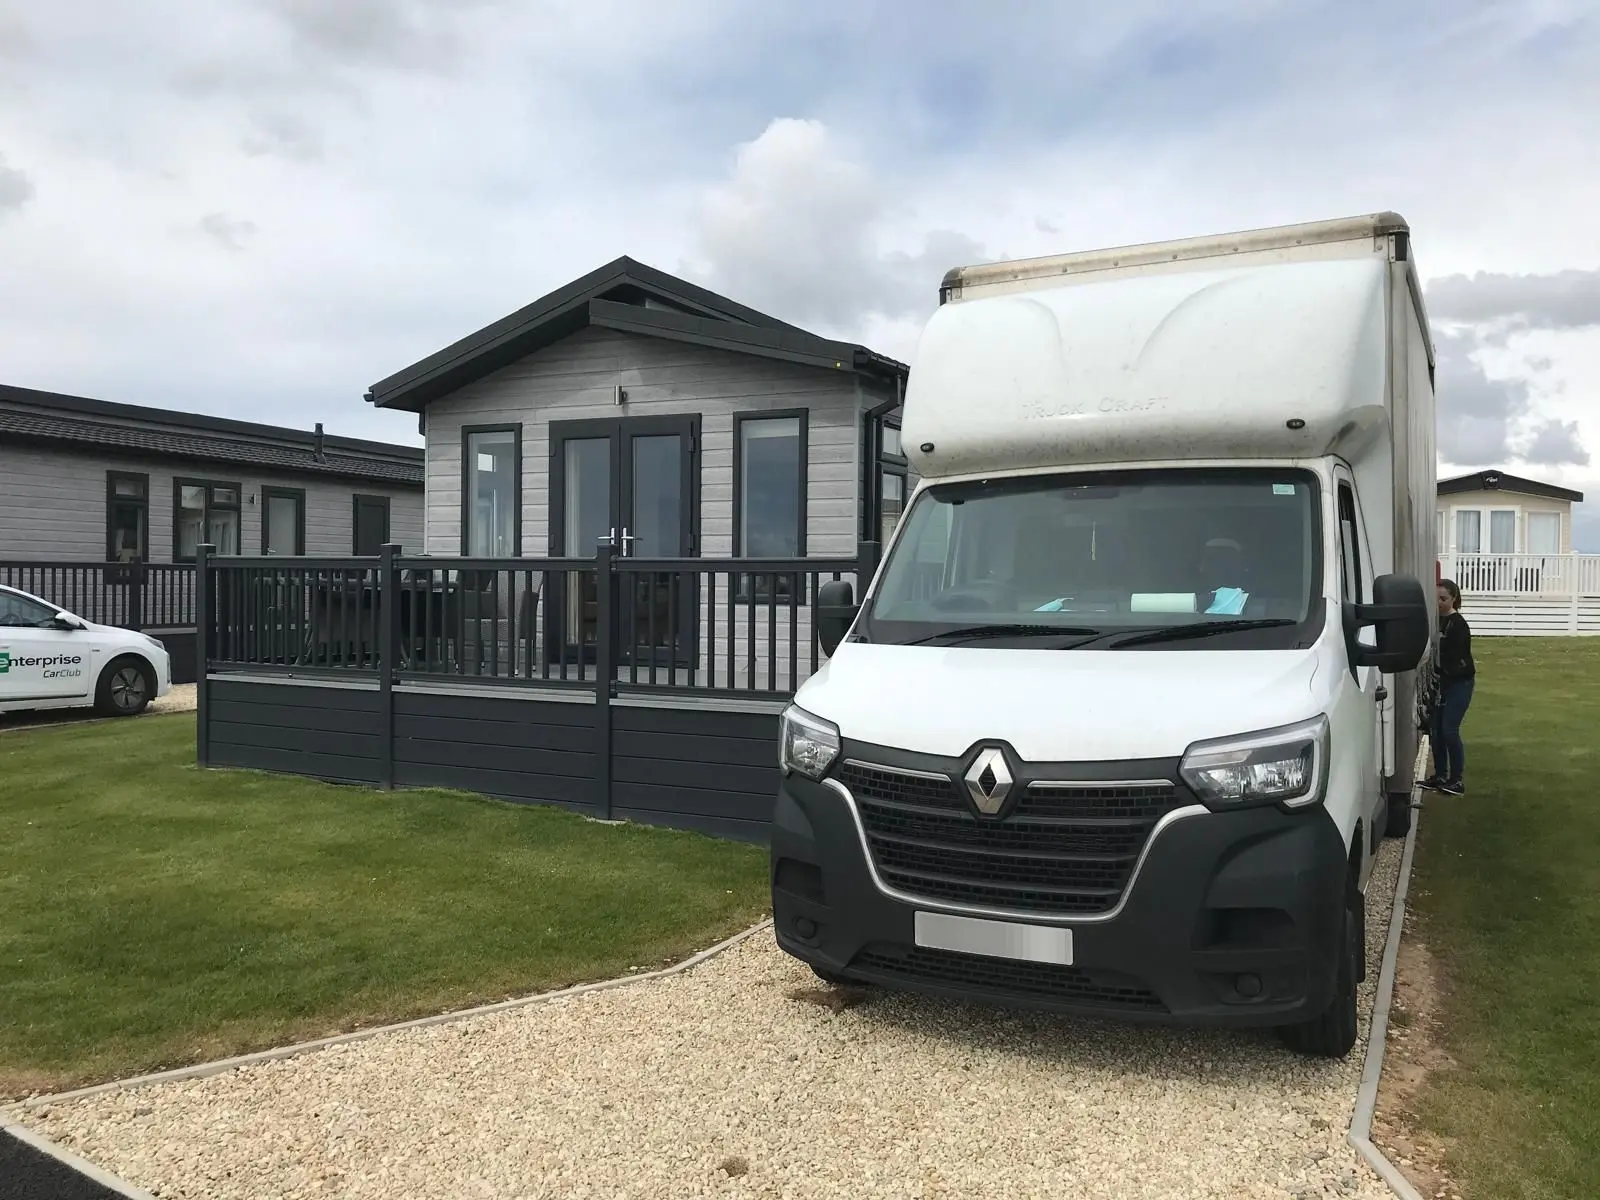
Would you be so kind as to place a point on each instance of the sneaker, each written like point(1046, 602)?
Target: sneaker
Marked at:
point(1453, 787)
point(1433, 784)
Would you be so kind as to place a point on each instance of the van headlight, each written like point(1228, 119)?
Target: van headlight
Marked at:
point(1287, 766)
point(807, 745)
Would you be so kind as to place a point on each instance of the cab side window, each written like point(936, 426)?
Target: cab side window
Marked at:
point(20, 612)
point(1351, 586)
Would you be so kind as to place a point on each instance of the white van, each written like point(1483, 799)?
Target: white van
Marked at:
point(50, 658)
point(1127, 709)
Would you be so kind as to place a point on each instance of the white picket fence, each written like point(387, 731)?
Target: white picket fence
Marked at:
point(1521, 595)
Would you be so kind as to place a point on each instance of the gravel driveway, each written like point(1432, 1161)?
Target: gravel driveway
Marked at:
point(719, 1082)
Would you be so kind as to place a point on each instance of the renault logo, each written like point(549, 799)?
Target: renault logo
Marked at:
point(988, 781)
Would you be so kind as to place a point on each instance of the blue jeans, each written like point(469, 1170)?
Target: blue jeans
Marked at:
point(1449, 757)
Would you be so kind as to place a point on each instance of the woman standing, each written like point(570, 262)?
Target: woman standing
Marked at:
point(1456, 675)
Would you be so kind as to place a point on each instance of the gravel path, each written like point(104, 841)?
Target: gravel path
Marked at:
point(719, 1082)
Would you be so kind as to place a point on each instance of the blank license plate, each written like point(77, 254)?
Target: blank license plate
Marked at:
point(995, 939)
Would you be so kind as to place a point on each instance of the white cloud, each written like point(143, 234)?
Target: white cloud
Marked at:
point(804, 229)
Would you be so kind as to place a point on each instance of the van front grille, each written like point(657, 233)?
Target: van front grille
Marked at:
point(1067, 848)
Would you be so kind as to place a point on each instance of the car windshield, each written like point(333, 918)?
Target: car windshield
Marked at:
point(1060, 559)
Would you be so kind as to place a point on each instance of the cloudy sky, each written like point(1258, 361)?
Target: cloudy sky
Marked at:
point(259, 207)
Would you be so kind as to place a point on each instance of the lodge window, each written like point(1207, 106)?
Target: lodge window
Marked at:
point(127, 516)
point(769, 494)
point(204, 512)
point(1544, 533)
point(491, 490)
point(283, 521)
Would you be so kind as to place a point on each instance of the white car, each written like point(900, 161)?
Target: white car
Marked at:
point(51, 658)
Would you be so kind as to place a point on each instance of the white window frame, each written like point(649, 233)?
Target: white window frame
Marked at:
point(1486, 527)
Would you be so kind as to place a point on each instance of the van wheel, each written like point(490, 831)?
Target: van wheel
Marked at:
point(125, 688)
point(1333, 1034)
point(1399, 819)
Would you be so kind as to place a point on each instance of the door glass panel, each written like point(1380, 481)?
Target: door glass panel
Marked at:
point(1544, 533)
point(1469, 526)
point(588, 494)
point(587, 509)
point(656, 521)
point(283, 519)
point(1503, 531)
point(372, 527)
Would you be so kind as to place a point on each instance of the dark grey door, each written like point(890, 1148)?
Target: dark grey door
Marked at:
point(629, 482)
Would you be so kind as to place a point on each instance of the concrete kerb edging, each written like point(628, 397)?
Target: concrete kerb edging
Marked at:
point(1360, 1135)
point(201, 1070)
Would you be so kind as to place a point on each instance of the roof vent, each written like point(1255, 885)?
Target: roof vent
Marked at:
point(317, 449)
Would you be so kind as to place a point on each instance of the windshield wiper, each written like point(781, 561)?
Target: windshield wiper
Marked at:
point(974, 632)
point(1176, 633)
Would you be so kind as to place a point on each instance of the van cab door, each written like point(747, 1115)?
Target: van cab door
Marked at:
point(1355, 582)
point(40, 661)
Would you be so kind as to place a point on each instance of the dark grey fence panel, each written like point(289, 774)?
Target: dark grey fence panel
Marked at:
point(695, 768)
point(298, 728)
point(522, 749)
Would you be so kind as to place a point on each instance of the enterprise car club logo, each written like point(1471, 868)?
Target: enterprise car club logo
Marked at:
point(5, 661)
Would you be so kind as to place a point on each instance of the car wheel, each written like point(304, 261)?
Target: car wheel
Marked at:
point(1333, 1033)
point(125, 688)
point(1399, 821)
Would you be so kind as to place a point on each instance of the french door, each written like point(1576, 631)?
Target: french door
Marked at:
point(628, 482)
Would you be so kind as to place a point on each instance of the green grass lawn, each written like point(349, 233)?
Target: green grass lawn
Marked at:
point(153, 915)
point(1508, 894)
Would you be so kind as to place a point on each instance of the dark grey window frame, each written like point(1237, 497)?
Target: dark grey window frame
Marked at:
point(269, 491)
point(179, 482)
point(142, 502)
point(515, 429)
point(355, 518)
point(755, 589)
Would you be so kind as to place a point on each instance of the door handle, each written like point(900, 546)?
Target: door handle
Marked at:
point(627, 540)
point(610, 539)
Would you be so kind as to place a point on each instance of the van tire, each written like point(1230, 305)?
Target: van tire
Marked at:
point(126, 687)
point(1398, 822)
point(1333, 1033)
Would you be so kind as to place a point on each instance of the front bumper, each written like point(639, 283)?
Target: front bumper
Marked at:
point(1229, 919)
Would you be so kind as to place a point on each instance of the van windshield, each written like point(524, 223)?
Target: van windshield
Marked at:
point(1063, 559)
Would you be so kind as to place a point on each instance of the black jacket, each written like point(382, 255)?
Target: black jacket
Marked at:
point(1455, 650)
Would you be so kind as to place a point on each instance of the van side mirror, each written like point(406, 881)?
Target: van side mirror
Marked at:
point(1399, 611)
point(835, 610)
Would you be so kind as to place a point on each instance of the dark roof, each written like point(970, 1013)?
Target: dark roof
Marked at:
point(615, 297)
point(55, 419)
point(1498, 481)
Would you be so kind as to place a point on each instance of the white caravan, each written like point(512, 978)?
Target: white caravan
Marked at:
point(1129, 705)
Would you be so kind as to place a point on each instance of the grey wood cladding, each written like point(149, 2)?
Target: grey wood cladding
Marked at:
point(53, 505)
point(576, 379)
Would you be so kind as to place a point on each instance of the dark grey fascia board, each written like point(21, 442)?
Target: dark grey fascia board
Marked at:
point(504, 341)
point(1502, 481)
point(85, 447)
point(165, 419)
